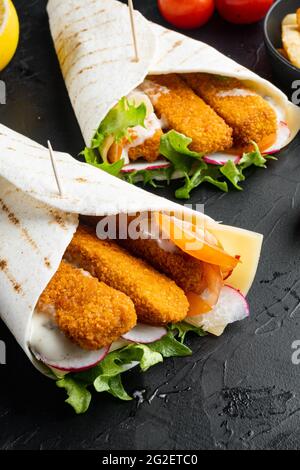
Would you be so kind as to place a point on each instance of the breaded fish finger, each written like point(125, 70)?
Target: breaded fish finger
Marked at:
point(87, 311)
point(182, 110)
point(157, 299)
point(149, 150)
point(186, 271)
point(247, 113)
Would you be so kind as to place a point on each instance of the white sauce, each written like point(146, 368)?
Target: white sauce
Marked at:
point(280, 113)
point(50, 345)
point(242, 92)
point(164, 122)
point(154, 234)
point(235, 92)
point(167, 245)
point(48, 342)
point(141, 134)
point(153, 90)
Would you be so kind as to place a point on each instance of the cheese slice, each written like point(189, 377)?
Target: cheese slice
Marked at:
point(247, 245)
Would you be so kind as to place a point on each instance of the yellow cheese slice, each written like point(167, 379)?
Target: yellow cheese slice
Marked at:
point(247, 245)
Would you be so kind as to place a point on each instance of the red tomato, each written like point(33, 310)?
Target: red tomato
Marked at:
point(243, 11)
point(186, 14)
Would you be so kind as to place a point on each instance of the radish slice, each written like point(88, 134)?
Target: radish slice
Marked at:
point(283, 135)
point(220, 158)
point(159, 164)
point(53, 348)
point(145, 334)
point(231, 307)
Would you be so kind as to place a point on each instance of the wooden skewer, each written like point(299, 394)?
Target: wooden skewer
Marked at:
point(55, 169)
point(134, 36)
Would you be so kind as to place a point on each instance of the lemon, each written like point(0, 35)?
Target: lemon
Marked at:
point(9, 32)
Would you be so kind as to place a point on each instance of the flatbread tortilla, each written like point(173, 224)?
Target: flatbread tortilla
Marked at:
point(37, 225)
point(94, 46)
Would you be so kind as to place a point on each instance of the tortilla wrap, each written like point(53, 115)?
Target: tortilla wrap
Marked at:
point(37, 225)
point(94, 46)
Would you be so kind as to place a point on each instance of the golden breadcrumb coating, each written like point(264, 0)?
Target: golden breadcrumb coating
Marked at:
point(87, 311)
point(149, 150)
point(188, 114)
point(186, 271)
point(157, 299)
point(250, 117)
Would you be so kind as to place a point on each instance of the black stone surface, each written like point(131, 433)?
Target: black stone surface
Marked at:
point(236, 392)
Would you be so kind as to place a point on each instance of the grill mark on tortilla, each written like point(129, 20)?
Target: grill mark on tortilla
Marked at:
point(58, 218)
point(175, 45)
point(55, 214)
point(87, 69)
point(67, 13)
point(13, 139)
point(75, 35)
point(82, 89)
point(47, 262)
point(3, 264)
point(91, 53)
point(68, 25)
point(4, 268)
point(15, 221)
point(81, 180)
point(72, 79)
point(186, 59)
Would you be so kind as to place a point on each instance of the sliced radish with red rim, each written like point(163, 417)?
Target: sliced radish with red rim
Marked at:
point(145, 334)
point(220, 158)
point(231, 307)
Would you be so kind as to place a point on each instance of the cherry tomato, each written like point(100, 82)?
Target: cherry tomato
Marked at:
point(187, 14)
point(243, 11)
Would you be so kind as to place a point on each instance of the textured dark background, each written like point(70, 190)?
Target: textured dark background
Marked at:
point(239, 391)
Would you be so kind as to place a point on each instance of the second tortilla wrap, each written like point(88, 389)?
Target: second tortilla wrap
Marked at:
point(94, 47)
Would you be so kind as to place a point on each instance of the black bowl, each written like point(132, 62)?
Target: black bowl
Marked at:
point(286, 73)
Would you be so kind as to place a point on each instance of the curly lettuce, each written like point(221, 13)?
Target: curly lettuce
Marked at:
point(175, 148)
point(118, 121)
point(106, 376)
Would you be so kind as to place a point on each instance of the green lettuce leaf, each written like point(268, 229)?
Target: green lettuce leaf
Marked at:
point(233, 173)
point(91, 157)
point(174, 147)
point(203, 174)
point(79, 396)
point(168, 346)
point(183, 328)
point(117, 122)
point(254, 158)
point(106, 376)
point(149, 177)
